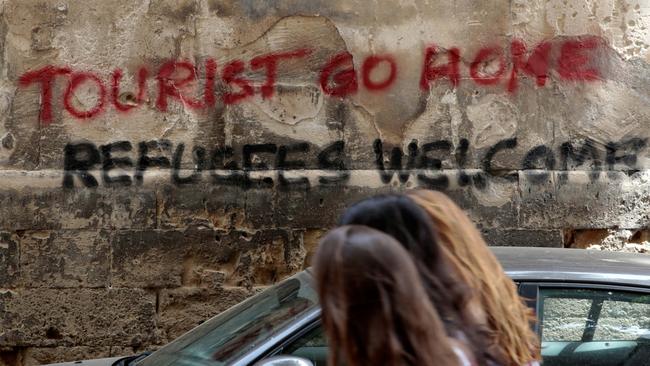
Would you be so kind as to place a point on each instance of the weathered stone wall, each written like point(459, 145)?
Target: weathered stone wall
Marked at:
point(161, 159)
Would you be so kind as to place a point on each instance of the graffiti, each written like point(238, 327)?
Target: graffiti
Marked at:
point(176, 79)
point(421, 162)
point(81, 158)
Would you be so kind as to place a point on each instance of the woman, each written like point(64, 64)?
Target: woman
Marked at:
point(512, 341)
point(375, 309)
point(447, 290)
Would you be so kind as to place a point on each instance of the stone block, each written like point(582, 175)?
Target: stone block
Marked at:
point(9, 259)
point(260, 209)
point(629, 199)
point(71, 258)
point(179, 10)
point(266, 257)
point(201, 256)
point(524, 238)
point(56, 208)
point(501, 129)
point(77, 317)
point(546, 203)
point(214, 205)
point(22, 124)
point(490, 201)
point(321, 206)
point(148, 258)
point(310, 241)
point(584, 238)
point(185, 308)
point(28, 33)
point(583, 200)
point(260, 145)
point(616, 137)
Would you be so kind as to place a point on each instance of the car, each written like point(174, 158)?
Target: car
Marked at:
point(593, 308)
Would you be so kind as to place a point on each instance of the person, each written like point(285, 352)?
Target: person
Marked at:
point(447, 290)
point(511, 339)
point(375, 310)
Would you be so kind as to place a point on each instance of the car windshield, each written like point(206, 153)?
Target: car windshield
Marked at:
point(231, 334)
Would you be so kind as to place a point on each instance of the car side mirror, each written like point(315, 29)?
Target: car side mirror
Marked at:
point(284, 361)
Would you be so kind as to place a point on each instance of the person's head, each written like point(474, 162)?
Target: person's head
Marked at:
point(512, 340)
point(398, 216)
point(374, 307)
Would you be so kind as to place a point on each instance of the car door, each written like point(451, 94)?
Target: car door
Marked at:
point(592, 324)
point(578, 324)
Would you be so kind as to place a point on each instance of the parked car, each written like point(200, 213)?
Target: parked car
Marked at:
point(593, 308)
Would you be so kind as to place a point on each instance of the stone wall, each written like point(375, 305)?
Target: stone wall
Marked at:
point(162, 159)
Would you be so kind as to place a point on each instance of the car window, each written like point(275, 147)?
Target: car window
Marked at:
point(624, 320)
point(579, 327)
point(564, 318)
point(312, 346)
point(594, 327)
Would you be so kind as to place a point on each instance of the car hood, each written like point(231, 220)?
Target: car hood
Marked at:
point(96, 362)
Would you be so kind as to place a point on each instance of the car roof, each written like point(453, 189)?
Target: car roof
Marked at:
point(575, 265)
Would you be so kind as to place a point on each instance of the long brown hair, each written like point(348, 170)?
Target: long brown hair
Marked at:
point(375, 309)
point(512, 341)
point(401, 218)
